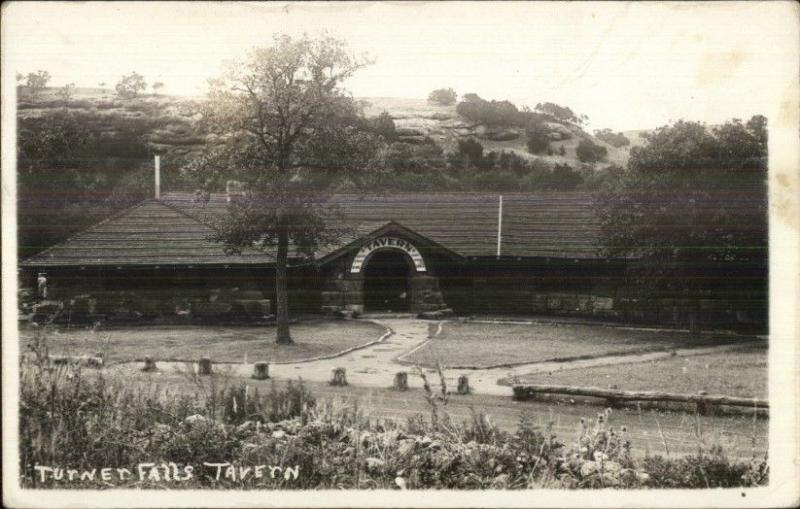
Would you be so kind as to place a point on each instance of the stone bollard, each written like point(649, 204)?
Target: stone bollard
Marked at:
point(339, 377)
point(149, 364)
point(400, 381)
point(204, 366)
point(432, 328)
point(463, 385)
point(261, 370)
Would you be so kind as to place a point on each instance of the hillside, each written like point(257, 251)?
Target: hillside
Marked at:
point(418, 118)
point(167, 125)
point(84, 158)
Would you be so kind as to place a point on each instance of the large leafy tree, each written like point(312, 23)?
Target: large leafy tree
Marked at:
point(287, 131)
point(691, 209)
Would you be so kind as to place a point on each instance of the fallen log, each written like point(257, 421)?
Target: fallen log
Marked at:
point(522, 392)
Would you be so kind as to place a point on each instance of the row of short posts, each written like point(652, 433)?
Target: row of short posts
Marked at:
point(401, 383)
point(338, 378)
point(204, 368)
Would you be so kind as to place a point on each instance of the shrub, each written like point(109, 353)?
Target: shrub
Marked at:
point(383, 125)
point(444, 96)
point(37, 81)
point(590, 152)
point(538, 139)
point(493, 113)
point(714, 470)
point(413, 157)
point(471, 150)
point(130, 85)
point(614, 139)
point(562, 113)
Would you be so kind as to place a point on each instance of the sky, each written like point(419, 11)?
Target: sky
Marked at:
point(625, 65)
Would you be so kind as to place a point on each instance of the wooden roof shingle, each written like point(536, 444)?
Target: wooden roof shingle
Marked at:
point(176, 229)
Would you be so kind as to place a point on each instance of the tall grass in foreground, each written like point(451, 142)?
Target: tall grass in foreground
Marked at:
point(72, 420)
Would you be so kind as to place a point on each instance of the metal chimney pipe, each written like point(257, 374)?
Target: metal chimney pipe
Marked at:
point(500, 226)
point(158, 177)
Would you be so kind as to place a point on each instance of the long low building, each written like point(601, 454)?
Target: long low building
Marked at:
point(468, 252)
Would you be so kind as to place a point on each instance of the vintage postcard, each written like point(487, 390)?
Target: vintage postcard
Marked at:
point(400, 254)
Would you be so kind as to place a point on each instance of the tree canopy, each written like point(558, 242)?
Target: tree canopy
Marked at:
point(693, 200)
point(284, 127)
point(130, 85)
point(443, 96)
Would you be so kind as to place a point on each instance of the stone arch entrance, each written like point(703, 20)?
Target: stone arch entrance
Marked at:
point(386, 280)
point(387, 273)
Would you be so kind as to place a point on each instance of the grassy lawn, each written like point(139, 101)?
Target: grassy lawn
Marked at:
point(738, 373)
point(313, 338)
point(483, 345)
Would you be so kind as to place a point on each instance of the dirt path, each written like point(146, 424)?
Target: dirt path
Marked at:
point(376, 365)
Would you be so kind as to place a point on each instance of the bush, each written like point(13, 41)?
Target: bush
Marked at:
point(444, 96)
point(562, 113)
point(37, 81)
point(130, 85)
point(383, 125)
point(471, 150)
point(492, 113)
point(590, 152)
point(714, 470)
point(538, 139)
point(614, 139)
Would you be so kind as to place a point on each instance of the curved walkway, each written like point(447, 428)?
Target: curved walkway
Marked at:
point(375, 365)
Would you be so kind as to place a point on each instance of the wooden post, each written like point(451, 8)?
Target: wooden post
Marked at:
point(149, 364)
point(400, 381)
point(704, 407)
point(158, 177)
point(432, 328)
point(463, 385)
point(339, 377)
point(261, 370)
point(204, 366)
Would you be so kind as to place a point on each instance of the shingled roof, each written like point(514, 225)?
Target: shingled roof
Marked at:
point(546, 224)
point(175, 230)
point(150, 233)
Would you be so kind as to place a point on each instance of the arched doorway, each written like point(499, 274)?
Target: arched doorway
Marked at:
point(386, 286)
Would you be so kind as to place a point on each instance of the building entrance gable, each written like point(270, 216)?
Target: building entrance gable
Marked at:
point(389, 269)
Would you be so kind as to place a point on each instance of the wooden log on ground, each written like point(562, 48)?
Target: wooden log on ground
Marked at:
point(77, 360)
point(204, 366)
point(463, 385)
point(261, 370)
point(339, 377)
point(522, 392)
point(149, 364)
point(400, 381)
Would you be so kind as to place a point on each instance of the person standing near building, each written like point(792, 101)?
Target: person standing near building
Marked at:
point(41, 285)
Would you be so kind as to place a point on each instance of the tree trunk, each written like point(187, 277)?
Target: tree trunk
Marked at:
point(694, 320)
point(281, 290)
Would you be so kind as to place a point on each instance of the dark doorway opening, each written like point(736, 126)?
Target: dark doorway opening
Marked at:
point(386, 281)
